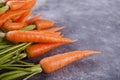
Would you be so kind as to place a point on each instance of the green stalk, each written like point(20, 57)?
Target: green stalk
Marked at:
point(16, 58)
point(4, 8)
point(24, 71)
point(4, 46)
point(2, 4)
point(31, 75)
point(13, 77)
point(11, 48)
point(11, 54)
point(14, 68)
point(28, 28)
point(9, 74)
point(26, 63)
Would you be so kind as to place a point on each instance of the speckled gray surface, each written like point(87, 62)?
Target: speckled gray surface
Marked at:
point(96, 25)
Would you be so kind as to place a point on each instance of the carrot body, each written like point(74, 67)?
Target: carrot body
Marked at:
point(13, 26)
point(8, 15)
point(53, 29)
point(32, 20)
point(30, 4)
point(21, 5)
point(24, 17)
point(15, 4)
point(53, 63)
point(31, 36)
point(39, 49)
point(44, 24)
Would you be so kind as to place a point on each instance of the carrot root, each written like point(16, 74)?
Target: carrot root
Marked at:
point(53, 63)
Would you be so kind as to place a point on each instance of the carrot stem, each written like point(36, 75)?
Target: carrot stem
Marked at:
point(31, 75)
point(9, 74)
point(4, 46)
point(4, 8)
point(2, 4)
point(11, 48)
point(28, 28)
point(13, 77)
point(2, 35)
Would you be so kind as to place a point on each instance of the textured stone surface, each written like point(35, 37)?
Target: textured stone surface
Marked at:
point(96, 25)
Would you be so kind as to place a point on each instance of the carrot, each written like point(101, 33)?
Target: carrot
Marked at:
point(15, 4)
point(44, 24)
point(53, 63)
point(53, 29)
point(31, 36)
point(13, 25)
point(15, 18)
point(9, 14)
point(49, 33)
point(39, 49)
point(21, 5)
point(57, 34)
point(32, 20)
point(30, 4)
point(24, 17)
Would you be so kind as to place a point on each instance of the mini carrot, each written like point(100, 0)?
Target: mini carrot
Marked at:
point(13, 25)
point(39, 49)
point(8, 15)
point(53, 63)
point(33, 19)
point(31, 36)
point(44, 24)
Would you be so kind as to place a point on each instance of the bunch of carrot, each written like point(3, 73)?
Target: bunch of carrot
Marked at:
point(21, 37)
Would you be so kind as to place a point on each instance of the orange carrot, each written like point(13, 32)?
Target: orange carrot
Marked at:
point(24, 17)
point(44, 24)
point(49, 33)
point(31, 36)
point(53, 63)
point(30, 4)
point(8, 15)
point(32, 20)
point(21, 5)
point(15, 18)
point(39, 49)
point(53, 29)
point(13, 25)
point(57, 34)
point(15, 4)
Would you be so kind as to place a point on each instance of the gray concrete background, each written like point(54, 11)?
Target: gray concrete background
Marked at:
point(96, 26)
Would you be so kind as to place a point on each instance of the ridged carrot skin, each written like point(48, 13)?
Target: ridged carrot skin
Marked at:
point(31, 36)
point(47, 33)
point(44, 24)
point(9, 14)
point(40, 49)
point(33, 19)
point(13, 25)
point(53, 63)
